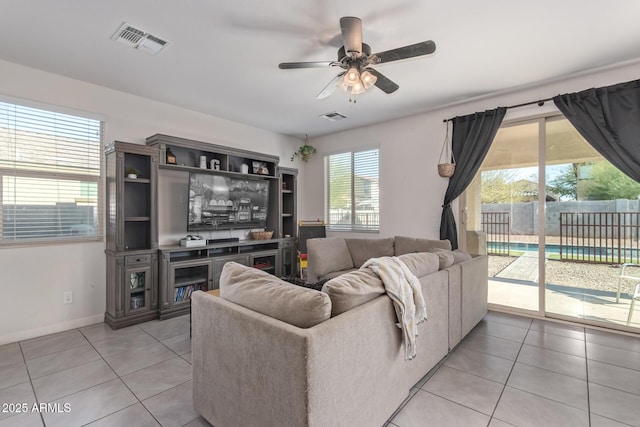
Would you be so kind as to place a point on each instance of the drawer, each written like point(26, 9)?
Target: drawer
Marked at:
point(137, 259)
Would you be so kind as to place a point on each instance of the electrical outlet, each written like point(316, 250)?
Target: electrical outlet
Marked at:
point(67, 297)
point(435, 223)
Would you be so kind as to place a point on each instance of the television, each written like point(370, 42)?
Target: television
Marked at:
point(220, 202)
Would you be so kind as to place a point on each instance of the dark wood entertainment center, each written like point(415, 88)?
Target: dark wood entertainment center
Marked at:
point(146, 281)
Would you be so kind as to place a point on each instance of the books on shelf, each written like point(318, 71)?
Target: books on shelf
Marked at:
point(183, 293)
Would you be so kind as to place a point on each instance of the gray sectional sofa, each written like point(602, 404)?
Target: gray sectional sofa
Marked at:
point(467, 275)
point(269, 353)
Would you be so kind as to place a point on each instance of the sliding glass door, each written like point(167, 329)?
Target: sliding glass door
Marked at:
point(560, 223)
point(508, 185)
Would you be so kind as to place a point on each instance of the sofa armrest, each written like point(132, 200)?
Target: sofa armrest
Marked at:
point(236, 354)
point(474, 288)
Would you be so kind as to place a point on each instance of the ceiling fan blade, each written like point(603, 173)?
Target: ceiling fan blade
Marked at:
point(351, 28)
point(418, 49)
point(383, 83)
point(331, 87)
point(316, 64)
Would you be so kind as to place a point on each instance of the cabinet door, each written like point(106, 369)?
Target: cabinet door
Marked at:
point(219, 262)
point(137, 283)
point(185, 277)
point(266, 261)
point(288, 257)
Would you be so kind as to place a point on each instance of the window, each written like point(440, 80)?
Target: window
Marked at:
point(50, 181)
point(352, 190)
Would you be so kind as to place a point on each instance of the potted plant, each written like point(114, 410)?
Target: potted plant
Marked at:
point(305, 151)
point(132, 172)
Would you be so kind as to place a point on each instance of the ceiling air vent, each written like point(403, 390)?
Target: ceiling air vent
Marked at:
point(333, 117)
point(138, 39)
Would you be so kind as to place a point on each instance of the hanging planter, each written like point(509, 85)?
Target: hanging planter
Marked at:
point(446, 163)
point(304, 151)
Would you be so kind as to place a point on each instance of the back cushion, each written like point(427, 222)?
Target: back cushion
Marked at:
point(456, 256)
point(350, 290)
point(363, 249)
point(260, 291)
point(328, 254)
point(460, 256)
point(407, 245)
point(445, 258)
point(421, 263)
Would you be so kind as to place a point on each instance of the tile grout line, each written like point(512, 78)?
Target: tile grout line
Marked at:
point(586, 368)
point(81, 390)
point(35, 395)
point(124, 383)
point(475, 375)
point(127, 386)
point(587, 381)
point(478, 376)
point(510, 372)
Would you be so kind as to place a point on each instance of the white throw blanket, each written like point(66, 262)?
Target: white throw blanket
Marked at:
point(403, 287)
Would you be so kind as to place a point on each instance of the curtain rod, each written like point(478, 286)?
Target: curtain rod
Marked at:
point(540, 103)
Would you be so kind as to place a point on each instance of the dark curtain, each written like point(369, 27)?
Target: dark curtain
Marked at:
point(472, 137)
point(609, 119)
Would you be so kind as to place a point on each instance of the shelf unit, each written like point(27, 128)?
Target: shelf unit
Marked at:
point(187, 277)
point(189, 152)
point(145, 281)
point(131, 241)
point(288, 220)
point(184, 270)
point(288, 207)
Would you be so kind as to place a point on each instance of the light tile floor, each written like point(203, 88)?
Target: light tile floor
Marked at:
point(510, 370)
point(516, 371)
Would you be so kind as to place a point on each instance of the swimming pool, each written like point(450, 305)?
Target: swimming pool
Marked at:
point(576, 251)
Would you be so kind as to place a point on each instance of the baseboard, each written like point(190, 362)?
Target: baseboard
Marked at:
point(51, 329)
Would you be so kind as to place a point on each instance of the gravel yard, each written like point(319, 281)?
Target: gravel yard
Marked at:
point(579, 275)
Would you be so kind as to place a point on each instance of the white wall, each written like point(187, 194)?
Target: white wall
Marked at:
point(32, 280)
point(411, 192)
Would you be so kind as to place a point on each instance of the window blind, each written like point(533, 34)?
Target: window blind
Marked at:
point(50, 176)
point(352, 191)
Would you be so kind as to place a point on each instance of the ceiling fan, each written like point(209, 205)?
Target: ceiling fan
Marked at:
point(356, 60)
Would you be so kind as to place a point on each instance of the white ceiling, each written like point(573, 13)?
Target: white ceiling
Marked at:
point(222, 57)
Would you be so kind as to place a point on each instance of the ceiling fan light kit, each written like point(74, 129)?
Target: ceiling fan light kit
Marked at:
point(356, 61)
point(356, 81)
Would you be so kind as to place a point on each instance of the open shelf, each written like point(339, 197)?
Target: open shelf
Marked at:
point(183, 293)
point(190, 155)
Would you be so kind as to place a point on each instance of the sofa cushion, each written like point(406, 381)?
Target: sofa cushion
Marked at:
point(260, 291)
point(352, 289)
point(363, 249)
point(445, 258)
point(421, 263)
point(460, 256)
point(333, 274)
point(328, 254)
point(406, 245)
point(457, 256)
